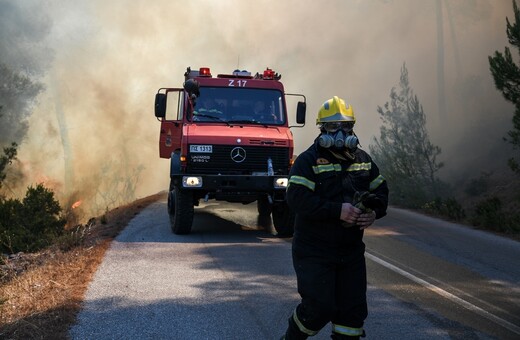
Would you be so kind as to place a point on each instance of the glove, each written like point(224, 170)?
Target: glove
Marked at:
point(362, 201)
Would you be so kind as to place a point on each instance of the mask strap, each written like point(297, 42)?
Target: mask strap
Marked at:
point(340, 156)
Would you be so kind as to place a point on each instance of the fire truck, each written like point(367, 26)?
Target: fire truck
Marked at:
point(228, 138)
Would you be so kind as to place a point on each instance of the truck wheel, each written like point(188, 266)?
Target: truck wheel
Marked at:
point(263, 205)
point(283, 220)
point(171, 199)
point(180, 208)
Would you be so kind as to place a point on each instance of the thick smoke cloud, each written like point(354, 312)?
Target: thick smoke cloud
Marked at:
point(93, 134)
point(24, 26)
point(23, 58)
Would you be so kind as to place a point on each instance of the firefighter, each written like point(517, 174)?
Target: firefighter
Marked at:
point(336, 191)
point(208, 109)
point(263, 115)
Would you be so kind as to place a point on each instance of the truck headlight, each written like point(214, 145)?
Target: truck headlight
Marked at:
point(280, 183)
point(191, 182)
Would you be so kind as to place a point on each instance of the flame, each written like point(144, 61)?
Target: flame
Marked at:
point(76, 204)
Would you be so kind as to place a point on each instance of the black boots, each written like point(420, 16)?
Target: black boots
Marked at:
point(293, 332)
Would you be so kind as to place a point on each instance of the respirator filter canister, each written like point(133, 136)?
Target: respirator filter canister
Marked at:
point(339, 140)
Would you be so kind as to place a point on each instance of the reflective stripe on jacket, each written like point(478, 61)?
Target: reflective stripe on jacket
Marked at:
point(318, 185)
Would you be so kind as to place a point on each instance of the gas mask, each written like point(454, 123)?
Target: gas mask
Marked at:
point(338, 140)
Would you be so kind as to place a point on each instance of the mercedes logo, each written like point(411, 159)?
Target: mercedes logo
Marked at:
point(238, 154)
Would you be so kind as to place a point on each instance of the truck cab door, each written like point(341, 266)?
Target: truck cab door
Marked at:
point(169, 108)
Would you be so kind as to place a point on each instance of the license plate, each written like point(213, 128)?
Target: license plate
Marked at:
point(201, 148)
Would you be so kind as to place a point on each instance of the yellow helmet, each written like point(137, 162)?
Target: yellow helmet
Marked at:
point(335, 110)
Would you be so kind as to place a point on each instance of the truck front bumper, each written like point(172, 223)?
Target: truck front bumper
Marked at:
point(231, 183)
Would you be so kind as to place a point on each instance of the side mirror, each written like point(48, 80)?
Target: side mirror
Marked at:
point(160, 105)
point(300, 112)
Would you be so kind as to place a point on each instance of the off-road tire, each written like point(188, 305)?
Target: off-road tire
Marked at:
point(263, 205)
point(283, 220)
point(171, 200)
point(181, 210)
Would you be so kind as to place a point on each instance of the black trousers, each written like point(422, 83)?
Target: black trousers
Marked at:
point(332, 285)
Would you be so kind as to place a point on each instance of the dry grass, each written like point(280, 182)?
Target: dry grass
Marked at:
point(43, 300)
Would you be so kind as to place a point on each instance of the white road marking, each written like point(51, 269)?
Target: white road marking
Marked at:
point(448, 295)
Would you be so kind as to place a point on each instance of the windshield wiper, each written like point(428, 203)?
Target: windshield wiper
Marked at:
point(209, 116)
point(244, 121)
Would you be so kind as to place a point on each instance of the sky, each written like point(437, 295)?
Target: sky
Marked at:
point(102, 62)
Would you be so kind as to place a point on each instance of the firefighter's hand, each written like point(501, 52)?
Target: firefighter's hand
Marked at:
point(349, 213)
point(365, 220)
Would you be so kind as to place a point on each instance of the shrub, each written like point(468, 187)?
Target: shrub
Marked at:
point(30, 224)
point(489, 214)
point(449, 208)
point(76, 236)
point(478, 186)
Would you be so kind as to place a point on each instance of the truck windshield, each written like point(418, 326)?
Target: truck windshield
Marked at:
point(239, 105)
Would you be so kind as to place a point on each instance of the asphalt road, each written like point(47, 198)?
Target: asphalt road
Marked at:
point(230, 279)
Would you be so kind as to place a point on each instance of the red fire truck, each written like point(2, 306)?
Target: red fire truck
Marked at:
point(228, 138)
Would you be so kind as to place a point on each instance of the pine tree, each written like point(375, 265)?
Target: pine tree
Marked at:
point(8, 156)
point(404, 152)
point(507, 79)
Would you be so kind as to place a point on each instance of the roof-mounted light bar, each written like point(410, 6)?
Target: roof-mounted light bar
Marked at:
point(201, 72)
point(268, 74)
point(204, 72)
point(242, 73)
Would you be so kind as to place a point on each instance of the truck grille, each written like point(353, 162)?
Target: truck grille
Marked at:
point(221, 162)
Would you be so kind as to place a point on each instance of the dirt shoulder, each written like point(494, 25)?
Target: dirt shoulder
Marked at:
point(41, 293)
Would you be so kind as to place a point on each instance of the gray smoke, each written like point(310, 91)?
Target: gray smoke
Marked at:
point(110, 57)
point(23, 58)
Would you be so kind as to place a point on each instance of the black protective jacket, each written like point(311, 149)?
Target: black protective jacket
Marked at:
point(319, 183)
